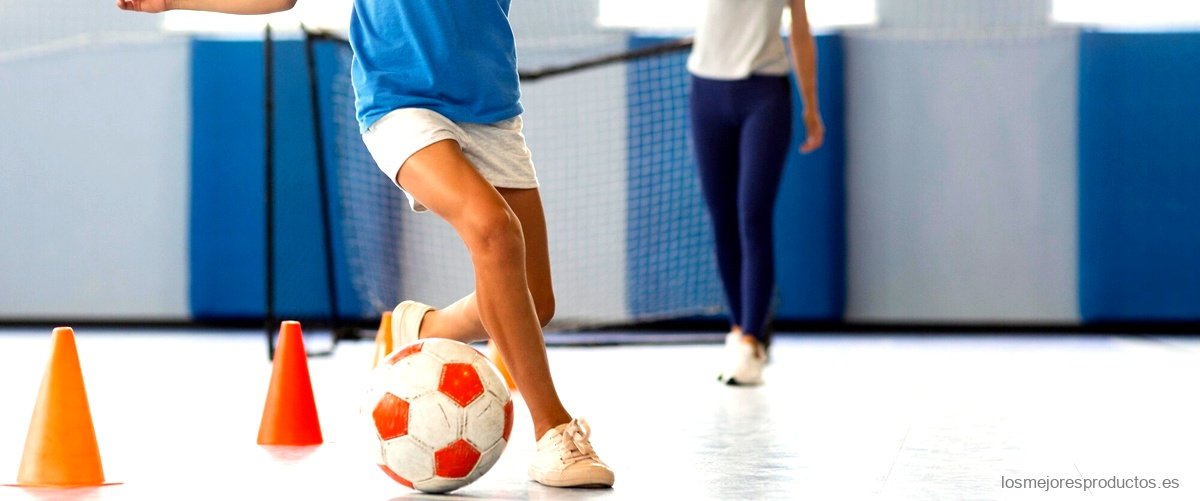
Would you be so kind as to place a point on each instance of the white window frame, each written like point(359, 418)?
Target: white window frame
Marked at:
point(674, 15)
point(1128, 14)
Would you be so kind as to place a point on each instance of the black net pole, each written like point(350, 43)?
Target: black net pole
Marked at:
point(268, 192)
point(322, 184)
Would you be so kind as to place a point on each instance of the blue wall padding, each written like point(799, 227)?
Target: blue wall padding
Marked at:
point(1139, 176)
point(809, 228)
point(810, 236)
point(226, 258)
point(227, 219)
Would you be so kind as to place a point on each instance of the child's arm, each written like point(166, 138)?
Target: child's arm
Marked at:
point(226, 6)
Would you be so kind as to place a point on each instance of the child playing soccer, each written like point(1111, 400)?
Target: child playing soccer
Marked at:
point(438, 104)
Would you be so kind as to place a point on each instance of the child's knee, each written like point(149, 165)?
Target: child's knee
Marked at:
point(494, 232)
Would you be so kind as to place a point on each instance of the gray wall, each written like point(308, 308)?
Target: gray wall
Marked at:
point(961, 171)
point(93, 164)
point(26, 25)
point(973, 16)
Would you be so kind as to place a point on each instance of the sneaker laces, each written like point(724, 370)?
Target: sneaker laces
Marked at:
point(575, 444)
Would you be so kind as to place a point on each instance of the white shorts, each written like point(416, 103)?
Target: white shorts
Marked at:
point(496, 150)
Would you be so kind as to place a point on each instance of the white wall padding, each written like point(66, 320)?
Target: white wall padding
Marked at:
point(94, 170)
point(961, 177)
point(963, 15)
point(32, 26)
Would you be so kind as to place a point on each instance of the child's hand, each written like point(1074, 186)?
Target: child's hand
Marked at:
point(150, 6)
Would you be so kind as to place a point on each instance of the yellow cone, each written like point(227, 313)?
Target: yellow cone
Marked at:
point(494, 355)
point(383, 339)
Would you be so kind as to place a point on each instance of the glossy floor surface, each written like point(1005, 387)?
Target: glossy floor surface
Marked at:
point(841, 417)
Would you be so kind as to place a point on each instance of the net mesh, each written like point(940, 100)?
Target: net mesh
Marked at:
point(629, 235)
point(369, 204)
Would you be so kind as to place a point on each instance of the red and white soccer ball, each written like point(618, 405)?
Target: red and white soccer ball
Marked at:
point(442, 413)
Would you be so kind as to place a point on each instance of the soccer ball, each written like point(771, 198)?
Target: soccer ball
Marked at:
point(441, 412)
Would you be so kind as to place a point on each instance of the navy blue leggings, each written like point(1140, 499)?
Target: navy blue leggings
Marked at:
point(741, 131)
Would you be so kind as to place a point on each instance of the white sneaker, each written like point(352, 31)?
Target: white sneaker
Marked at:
point(565, 458)
point(406, 323)
point(745, 358)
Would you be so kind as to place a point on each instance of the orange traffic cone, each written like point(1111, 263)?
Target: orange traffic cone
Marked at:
point(494, 355)
point(61, 449)
point(290, 415)
point(383, 339)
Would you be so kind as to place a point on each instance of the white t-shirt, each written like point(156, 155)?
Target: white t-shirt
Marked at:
point(739, 38)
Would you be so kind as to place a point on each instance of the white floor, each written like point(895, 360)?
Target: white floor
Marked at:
point(842, 417)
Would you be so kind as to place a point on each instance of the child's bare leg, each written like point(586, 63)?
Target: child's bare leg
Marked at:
point(444, 181)
point(460, 321)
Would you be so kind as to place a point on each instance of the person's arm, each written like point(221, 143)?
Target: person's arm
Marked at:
point(225, 6)
point(804, 59)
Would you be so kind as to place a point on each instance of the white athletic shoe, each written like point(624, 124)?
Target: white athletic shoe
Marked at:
point(745, 358)
point(406, 323)
point(565, 458)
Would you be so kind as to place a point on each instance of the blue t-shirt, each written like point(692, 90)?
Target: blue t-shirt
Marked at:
point(455, 57)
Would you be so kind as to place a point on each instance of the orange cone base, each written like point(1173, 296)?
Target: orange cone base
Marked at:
point(61, 486)
point(289, 453)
